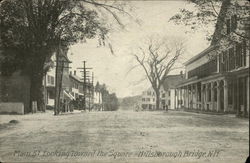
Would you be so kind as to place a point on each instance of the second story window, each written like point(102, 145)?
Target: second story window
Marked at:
point(228, 23)
point(233, 22)
point(163, 95)
point(244, 52)
point(51, 80)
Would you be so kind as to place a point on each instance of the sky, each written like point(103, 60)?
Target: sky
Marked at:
point(113, 69)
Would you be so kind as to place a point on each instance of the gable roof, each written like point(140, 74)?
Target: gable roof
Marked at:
point(219, 24)
point(216, 35)
point(172, 81)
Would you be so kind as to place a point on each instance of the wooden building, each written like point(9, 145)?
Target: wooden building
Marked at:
point(218, 77)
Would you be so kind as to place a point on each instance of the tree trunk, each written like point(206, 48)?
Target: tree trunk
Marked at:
point(36, 89)
point(157, 99)
point(36, 73)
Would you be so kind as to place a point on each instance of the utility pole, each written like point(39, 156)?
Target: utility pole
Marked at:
point(58, 80)
point(85, 77)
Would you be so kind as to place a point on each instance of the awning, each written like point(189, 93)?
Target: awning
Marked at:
point(68, 95)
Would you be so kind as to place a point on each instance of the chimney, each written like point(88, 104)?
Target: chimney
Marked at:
point(74, 72)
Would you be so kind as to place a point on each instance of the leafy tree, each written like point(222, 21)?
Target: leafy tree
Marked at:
point(33, 30)
point(210, 13)
point(157, 59)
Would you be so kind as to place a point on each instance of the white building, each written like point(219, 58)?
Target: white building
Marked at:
point(171, 94)
point(168, 98)
point(98, 100)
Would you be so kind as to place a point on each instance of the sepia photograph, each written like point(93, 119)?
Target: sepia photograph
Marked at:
point(124, 81)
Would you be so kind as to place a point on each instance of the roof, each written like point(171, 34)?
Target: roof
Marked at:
point(172, 81)
point(220, 20)
point(66, 58)
point(216, 35)
point(201, 54)
point(76, 78)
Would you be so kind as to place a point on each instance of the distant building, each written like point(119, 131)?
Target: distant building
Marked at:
point(148, 99)
point(98, 105)
point(76, 85)
point(169, 85)
point(168, 98)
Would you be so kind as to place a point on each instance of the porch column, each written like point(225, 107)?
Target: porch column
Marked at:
point(218, 96)
point(185, 97)
point(202, 97)
point(181, 101)
point(225, 96)
point(197, 95)
point(188, 96)
point(177, 99)
point(191, 98)
point(248, 98)
point(212, 95)
point(206, 98)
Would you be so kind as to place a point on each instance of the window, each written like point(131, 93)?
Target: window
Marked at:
point(228, 22)
point(51, 80)
point(48, 79)
point(168, 102)
point(234, 58)
point(163, 95)
point(169, 93)
point(231, 59)
point(148, 99)
point(143, 99)
point(75, 86)
point(244, 52)
point(149, 93)
point(238, 55)
point(233, 22)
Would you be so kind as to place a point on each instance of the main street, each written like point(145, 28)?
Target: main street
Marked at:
point(124, 136)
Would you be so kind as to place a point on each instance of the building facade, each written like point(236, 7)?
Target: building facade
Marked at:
point(217, 79)
point(171, 101)
point(148, 99)
point(49, 83)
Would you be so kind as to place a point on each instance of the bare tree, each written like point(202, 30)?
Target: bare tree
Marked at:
point(157, 59)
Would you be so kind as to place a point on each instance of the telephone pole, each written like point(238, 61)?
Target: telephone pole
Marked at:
point(58, 80)
point(85, 78)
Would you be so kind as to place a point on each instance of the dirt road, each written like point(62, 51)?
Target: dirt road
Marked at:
point(124, 136)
